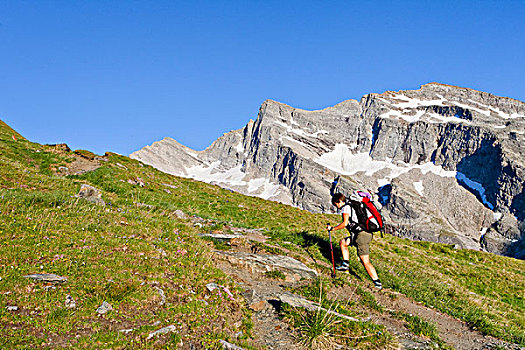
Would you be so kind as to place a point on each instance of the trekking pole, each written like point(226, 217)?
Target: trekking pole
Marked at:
point(331, 248)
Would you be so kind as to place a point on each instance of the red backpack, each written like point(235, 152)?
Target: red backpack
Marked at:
point(369, 218)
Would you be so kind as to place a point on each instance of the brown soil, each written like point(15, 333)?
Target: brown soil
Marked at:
point(82, 165)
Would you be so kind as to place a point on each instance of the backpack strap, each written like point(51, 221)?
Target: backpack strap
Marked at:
point(351, 223)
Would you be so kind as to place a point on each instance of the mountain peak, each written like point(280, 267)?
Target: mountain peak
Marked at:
point(410, 147)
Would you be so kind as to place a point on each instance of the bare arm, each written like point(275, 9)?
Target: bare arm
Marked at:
point(343, 224)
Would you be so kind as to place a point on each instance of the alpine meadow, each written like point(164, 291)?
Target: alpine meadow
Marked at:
point(105, 252)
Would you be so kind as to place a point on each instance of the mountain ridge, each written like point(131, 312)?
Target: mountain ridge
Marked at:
point(292, 155)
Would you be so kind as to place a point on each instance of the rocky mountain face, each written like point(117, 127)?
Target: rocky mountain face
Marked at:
point(445, 163)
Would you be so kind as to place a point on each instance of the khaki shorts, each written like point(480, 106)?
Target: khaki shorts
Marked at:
point(361, 242)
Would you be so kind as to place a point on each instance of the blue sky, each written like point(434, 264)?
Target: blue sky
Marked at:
point(118, 75)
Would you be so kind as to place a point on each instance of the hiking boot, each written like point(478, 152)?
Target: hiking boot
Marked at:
point(343, 267)
point(377, 284)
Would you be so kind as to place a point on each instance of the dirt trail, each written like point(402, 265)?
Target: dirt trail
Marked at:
point(273, 333)
point(455, 333)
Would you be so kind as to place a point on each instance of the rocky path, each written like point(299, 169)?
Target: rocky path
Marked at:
point(453, 332)
point(263, 295)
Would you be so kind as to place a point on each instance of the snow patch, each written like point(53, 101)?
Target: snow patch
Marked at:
point(299, 131)
point(239, 148)
point(432, 117)
point(269, 190)
point(415, 102)
point(419, 187)
point(438, 118)
point(470, 107)
point(343, 161)
point(233, 177)
point(210, 173)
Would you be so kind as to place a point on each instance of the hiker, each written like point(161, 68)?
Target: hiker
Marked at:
point(358, 238)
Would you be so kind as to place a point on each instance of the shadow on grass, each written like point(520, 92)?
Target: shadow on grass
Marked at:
point(310, 240)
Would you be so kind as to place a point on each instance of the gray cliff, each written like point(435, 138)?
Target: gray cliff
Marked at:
point(446, 163)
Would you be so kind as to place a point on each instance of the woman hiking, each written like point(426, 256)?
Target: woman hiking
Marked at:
point(358, 238)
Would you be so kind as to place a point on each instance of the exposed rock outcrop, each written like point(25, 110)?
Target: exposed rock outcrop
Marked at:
point(446, 162)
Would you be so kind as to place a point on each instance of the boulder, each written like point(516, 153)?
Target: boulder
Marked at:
point(293, 269)
point(90, 194)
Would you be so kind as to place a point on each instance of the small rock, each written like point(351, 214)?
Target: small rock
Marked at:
point(91, 194)
point(212, 286)
point(104, 308)
point(168, 185)
point(70, 302)
point(198, 224)
point(11, 308)
point(180, 214)
point(63, 169)
point(167, 191)
point(249, 295)
point(138, 181)
point(47, 277)
point(162, 296)
point(126, 331)
point(258, 306)
point(164, 330)
point(229, 346)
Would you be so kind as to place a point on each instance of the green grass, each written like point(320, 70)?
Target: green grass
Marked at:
point(322, 330)
point(422, 328)
point(368, 299)
point(119, 253)
point(275, 274)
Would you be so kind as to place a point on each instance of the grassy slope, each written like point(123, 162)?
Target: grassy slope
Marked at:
point(123, 252)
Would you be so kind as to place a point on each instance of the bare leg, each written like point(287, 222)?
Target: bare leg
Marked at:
point(344, 248)
point(365, 260)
